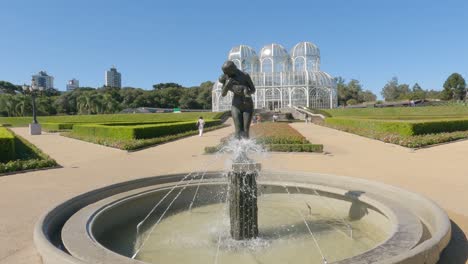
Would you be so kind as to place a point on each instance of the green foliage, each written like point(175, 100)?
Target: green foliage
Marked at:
point(403, 128)
point(402, 113)
point(352, 102)
point(352, 91)
point(9, 88)
point(160, 86)
point(7, 145)
point(105, 100)
point(454, 88)
point(295, 147)
point(52, 127)
point(137, 131)
point(319, 111)
point(267, 140)
point(112, 118)
point(26, 157)
point(394, 91)
point(136, 144)
point(397, 127)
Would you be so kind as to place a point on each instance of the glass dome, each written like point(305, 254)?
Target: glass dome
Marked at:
point(244, 57)
point(305, 57)
point(282, 80)
point(274, 58)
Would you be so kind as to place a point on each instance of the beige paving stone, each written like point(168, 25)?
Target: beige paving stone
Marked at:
point(439, 173)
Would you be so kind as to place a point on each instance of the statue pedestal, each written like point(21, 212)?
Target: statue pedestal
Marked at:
point(35, 129)
point(243, 200)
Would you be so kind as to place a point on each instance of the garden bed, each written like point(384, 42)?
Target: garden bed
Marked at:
point(409, 141)
point(137, 144)
point(25, 156)
point(276, 136)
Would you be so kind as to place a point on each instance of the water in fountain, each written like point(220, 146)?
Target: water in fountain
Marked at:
point(293, 226)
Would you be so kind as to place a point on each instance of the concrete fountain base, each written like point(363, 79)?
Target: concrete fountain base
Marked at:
point(420, 230)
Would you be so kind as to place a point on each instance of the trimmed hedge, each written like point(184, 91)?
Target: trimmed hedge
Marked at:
point(57, 126)
point(7, 145)
point(404, 128)
point(127, 132)
point(295, 147)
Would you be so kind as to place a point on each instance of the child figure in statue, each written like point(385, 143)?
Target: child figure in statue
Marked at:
point(241, 85)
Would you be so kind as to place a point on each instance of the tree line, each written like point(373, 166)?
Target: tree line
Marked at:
point(352, 93)
point(103, 100)
point(454, 88)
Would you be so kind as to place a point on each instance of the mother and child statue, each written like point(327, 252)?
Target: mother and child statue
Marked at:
point(241, 85)
point(242, 194)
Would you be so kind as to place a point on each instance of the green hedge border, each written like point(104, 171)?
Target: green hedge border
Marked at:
point(128, 132)
point(403, 128)
point(7, 145)
point(40, 160)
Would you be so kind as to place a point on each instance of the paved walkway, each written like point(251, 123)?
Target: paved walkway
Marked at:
point(439, 173)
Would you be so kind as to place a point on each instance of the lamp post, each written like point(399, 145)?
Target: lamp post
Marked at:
point(33, 90)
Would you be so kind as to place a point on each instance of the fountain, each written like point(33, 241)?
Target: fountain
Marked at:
point(244, 215)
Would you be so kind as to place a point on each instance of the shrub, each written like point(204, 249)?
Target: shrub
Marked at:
point(7, 145)
point(404, 128)
point(57, 126)
point(128, 132)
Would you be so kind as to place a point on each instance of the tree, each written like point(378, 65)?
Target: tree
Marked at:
point(160, 86)
point(454, 88)
point(417, 93)
point(9, 88)
point(394, 91)
point(367, 96)
point(352, 90)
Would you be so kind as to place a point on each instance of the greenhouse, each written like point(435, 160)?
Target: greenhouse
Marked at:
point(282, 79)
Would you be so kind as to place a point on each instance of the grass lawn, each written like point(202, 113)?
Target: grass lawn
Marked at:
point(112, 118)
point(412, 127)
point(402, 113)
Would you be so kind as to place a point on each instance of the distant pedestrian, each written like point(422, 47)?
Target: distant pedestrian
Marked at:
point(306, 118)
point(275, 117)
point(254, 119)
point(200, 125)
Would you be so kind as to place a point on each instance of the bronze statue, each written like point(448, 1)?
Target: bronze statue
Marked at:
point(241, 85)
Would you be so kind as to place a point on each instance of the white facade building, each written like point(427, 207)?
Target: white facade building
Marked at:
point(42, 79)
point(282, 79)
point(113, 78)
point(73, 84)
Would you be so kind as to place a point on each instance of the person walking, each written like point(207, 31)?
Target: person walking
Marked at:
point(306, 118)
point(200, 125)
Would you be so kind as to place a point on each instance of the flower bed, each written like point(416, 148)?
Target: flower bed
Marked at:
point(277, 136)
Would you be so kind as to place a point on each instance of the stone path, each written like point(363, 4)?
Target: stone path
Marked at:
point(439, 173)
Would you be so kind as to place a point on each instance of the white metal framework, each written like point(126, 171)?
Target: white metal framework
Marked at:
point(282, 79)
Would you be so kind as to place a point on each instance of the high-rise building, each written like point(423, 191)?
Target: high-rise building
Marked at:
point(44, 80)
point(113, 78)
point(73, 84)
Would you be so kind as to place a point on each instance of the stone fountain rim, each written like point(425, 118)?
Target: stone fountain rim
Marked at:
point(50, 253)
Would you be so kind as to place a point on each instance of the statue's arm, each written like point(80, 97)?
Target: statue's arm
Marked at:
point(250, 84)
point(224, 79)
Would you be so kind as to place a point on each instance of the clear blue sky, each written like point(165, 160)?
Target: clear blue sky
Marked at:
point(187, 41)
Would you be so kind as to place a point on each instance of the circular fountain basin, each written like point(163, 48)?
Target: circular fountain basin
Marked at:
point(303, 218)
